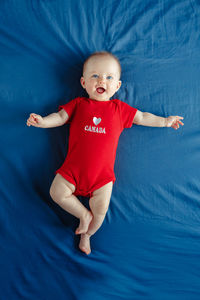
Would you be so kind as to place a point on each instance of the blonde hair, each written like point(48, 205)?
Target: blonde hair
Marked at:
point(102, 53)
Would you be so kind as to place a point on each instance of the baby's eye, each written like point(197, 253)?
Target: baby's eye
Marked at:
point(109, 77)
point(95, 76)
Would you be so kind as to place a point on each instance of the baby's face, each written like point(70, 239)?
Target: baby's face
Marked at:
point(101, 78)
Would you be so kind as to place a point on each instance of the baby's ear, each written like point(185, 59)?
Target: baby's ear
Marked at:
point(119, 85)
point(82, 80)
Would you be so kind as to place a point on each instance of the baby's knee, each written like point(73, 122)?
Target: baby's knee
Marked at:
point(99, 208)
point(52, 192)
point(58, 194)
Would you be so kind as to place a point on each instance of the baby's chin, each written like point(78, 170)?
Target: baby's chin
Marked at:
point(99, 98)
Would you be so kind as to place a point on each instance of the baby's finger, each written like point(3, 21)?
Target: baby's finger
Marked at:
point(179, 117)
point(34, 116)
point(32, 122)
point(29, 124)
point(180, 122)
point(31, 119)
point(35, 119)
point(175, 125)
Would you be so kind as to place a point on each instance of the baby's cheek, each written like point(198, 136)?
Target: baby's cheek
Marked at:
point(90, 85)
point(114, 87)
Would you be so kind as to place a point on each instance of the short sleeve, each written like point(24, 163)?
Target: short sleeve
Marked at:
point(70, 108)
point(127, 114)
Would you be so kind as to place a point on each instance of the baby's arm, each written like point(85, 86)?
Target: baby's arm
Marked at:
point(52, 120)
point(147, 119)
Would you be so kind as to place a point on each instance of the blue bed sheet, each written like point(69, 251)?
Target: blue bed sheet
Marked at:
point(149, 244)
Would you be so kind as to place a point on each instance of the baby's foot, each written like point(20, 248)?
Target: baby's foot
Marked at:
point(84, 244)
point(84, 223)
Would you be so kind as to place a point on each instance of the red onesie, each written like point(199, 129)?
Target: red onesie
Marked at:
point(95, 127)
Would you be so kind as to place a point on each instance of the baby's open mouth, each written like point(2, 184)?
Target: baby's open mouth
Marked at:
point(100, 90)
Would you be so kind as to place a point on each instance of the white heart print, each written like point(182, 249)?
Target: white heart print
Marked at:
point(96, 120)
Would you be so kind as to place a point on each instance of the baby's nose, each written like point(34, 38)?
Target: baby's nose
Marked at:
point(101, 80)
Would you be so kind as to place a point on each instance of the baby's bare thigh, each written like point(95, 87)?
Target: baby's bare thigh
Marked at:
point(61, 186)
point(99, 202)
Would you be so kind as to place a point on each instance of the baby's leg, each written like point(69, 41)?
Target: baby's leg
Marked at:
point(61, 192)
point(99, 204)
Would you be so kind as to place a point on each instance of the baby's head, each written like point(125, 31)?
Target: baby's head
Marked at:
point(101, 76)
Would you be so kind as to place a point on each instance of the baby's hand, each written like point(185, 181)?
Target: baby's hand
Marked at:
point(174, 121)
point(35, 120)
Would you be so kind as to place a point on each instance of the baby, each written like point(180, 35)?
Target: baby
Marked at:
point(95, 126)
